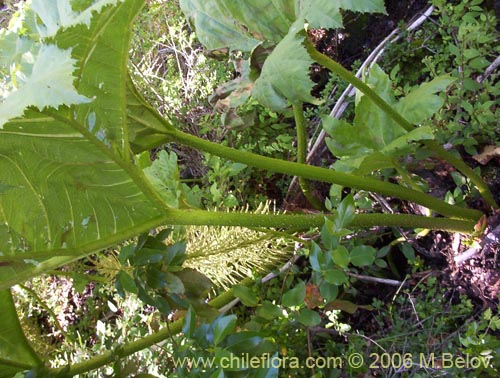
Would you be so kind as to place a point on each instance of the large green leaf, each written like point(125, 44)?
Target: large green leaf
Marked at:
point(237, 24)
point(13, 344)
point(244, 24)
point(68, 185)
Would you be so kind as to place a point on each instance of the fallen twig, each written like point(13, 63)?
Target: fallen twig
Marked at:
point(468, 254)
point(492, 67)
point(492, 237)
point(384, 281)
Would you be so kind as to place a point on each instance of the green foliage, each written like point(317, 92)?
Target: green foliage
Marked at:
point(462, 43)
point(80, 149)
point(71, 185)
point(275, 84)
point(478, 340)
point(19, 354)
point(243, 26)
point(153, 271)
point(215, 350)
point(251, 127)
point(363, 147)
point(225, 181)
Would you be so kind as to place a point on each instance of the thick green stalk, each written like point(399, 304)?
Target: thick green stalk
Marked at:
point(155, 121)
point(130, 348)
point(305, 186)
point(223, 218)
point(391, 112)
point(305, 221)
point(324, 175)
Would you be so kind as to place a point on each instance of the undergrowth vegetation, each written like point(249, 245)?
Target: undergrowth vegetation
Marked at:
point(149, 221)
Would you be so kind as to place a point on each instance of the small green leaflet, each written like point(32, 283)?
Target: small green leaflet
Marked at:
point(163, 175)
point(295, 296)
point(223, 326)
point(309, 318)
point(363, 255)
point(341, 257)
point(344, 215)
point(246, 295)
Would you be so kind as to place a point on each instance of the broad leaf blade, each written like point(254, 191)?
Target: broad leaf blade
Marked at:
point(239, 25)
point(285, 75)
point(422, 102)
point(376, 127)
point(319, 14)
point(65, 191)
point(13, 344)
point(103, 75)
point(401, 143)
point(373, 6)
point(375, 139)
point(326, 13)
point(217, 24)
point(242, 25)
point(43, 78)
point(50, 19)
point(65, 195)
point(345, 139)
